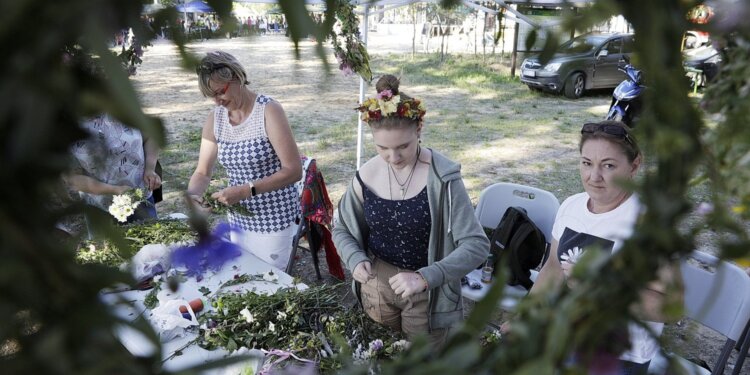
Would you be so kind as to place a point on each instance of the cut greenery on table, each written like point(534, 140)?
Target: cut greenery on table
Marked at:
point(311, 324)
point(138, 235)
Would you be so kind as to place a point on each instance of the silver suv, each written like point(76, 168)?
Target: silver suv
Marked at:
point(585, 62)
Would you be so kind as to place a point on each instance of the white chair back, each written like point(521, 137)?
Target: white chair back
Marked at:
point(717, 295)
point(540, 205)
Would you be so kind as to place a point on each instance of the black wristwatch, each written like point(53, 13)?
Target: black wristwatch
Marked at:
point(252, 190)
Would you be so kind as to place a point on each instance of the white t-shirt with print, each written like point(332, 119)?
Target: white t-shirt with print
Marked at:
point(577, 228)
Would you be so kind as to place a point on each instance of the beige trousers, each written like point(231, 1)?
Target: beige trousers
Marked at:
point(408, 315)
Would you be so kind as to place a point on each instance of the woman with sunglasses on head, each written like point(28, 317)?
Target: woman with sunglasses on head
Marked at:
point(602, 217)
point(250, 136)
point(406, 227)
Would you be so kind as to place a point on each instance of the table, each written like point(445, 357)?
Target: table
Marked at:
point(129, 306)
point(511, 294)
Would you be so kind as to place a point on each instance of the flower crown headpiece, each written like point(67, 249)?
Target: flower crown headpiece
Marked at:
point(385, 104)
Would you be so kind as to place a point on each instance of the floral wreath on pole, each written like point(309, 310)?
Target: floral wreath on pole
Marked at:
point(347, 43)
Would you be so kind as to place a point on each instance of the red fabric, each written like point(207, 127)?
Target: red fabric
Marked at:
point(317, 208)
point(332, 256)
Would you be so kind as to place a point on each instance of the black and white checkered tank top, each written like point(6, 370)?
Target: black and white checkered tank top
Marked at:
point(247, 155)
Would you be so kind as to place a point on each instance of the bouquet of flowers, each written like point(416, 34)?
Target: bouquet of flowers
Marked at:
point(124, 205)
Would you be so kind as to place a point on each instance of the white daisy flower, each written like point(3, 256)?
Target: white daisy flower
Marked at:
point(121, 200)
point(572, 255)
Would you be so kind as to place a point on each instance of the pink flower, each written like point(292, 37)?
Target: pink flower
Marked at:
point(385, 94)
point(347, 70)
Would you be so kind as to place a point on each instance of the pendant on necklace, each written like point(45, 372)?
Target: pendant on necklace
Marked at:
point(403, 193)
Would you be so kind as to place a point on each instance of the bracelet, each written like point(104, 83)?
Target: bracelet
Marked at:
point(252, 189)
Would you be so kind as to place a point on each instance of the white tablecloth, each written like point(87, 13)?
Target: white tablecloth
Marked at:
point(129, 306)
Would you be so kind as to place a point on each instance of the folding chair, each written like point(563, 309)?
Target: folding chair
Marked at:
point(717, 295)
point(541, 207)
point(302, 223)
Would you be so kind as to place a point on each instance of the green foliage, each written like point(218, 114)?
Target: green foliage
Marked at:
point(352, 55)
point(726, 145)
point(220, 208)
point(311, 323)
point(137, 235)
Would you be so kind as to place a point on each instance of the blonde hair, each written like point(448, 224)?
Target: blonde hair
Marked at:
point(219, 66)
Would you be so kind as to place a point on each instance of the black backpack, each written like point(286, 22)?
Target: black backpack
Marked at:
point(519, 243)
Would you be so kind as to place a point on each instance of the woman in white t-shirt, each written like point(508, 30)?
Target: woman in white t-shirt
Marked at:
point(603, 217)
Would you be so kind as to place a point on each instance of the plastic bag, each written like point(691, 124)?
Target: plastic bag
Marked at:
point(169, 322)
point(150, 261)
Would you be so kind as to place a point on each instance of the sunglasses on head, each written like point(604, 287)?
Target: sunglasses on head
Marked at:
point(207, 67)
point(614, 130)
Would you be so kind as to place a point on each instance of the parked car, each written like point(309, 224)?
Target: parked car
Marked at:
point(585, 62)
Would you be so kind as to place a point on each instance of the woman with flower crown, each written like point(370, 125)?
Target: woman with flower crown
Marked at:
point(406, 227)
point(249, 134)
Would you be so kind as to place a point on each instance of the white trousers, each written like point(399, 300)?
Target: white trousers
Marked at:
point(272, 248)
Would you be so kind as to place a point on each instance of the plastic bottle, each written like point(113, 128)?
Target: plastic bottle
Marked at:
point(487, 270)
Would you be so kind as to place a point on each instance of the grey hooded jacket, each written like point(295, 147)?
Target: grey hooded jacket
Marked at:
point(457, 242)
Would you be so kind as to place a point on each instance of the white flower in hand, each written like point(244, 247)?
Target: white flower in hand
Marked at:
point(122, 200)
point(271, 327)
point(280, 315)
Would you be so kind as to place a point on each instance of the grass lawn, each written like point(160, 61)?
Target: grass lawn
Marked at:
point(477, 114)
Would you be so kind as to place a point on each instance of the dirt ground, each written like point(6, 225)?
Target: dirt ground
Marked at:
point(316, 102)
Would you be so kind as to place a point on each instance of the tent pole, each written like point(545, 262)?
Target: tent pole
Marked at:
point(362, 86)
point(184, 17)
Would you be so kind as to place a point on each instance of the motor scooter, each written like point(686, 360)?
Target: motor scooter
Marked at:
point(627, 102)
point(701, 64)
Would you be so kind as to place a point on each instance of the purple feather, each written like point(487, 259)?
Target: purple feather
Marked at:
point(210, 253)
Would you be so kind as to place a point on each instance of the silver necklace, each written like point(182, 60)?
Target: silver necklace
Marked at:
point(403, 187)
